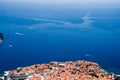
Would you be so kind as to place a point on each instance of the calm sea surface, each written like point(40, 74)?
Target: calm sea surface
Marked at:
point(41, 36)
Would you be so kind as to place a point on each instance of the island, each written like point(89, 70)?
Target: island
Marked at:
point(1, 37)
point(69, 70)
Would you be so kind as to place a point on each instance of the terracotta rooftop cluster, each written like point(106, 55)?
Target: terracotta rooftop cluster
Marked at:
point(78, 70)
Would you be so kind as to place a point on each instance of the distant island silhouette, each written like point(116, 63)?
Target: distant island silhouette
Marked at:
point(1, 37)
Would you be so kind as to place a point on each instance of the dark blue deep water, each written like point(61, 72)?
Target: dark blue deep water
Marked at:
point(41, 35)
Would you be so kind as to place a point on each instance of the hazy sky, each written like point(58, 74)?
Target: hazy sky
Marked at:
point(65, 1)
point(70, 3)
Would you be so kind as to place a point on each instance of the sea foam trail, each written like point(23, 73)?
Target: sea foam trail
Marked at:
point(65, 24)
point(20, 34)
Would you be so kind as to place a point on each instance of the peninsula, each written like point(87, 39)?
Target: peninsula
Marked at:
point(77, 70)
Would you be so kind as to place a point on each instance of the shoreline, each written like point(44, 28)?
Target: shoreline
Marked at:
point(113, 70)
point(85, 68)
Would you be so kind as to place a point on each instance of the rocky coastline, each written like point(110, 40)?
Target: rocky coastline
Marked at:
point(77, 70)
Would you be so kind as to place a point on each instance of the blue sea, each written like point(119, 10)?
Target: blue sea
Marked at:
point(44, 34)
